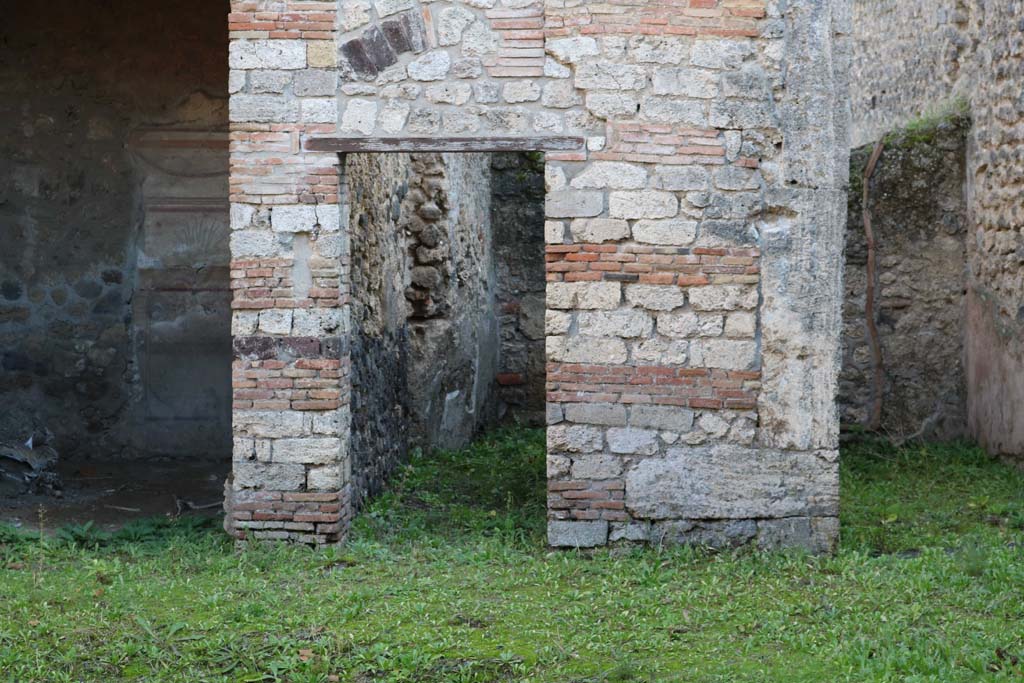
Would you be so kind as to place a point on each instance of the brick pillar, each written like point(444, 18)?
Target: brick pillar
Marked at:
point(291, 472)
point(690, 388)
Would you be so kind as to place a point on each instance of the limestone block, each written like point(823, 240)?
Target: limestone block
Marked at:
point(253, 243)
point(309, 451)
point(276, 321)
point(632, 441)
point(732, 482)
point(642, 204)
point(558, 466)
point(557, 322)
point(630, 322)
point(577, 534)
point(269, 476)
point(665, 232)
point(740, 325)
point(662, 352)
point(689, 324)
point(554, 178)
point(597, 230)
point(451, 22)
point(270, 424)
point(727, 354)
point(243, 323)
point(394, 115)
point(608, 414)
point(654, 49)
point(326, 478)
point(321, 54)
point(596, 467)
point(479, 40)
point(685, 82)
point(554, 232)
point(552, 69)
point(315, 83)
point(449, 93)
point(319, 110)
point(360, 117)
point(586, 350)
point(433, 66)
point(612, 105)
point(584, 295)
point(565, 438)
point(666, 418)
point(267, 54)
point(387, 7)
point(723, 297)
point(655, 297)
point(737, 178)
point(720, 53)
point(263, 109)
point(469, 67)
point(558, 95)
point(574, 203)
point(610, 76)
point(680, 178)
point(263, 82)
point(521, 91)
point(572, 50)
point(353, 14)
point(675, 111)
point(611, 174)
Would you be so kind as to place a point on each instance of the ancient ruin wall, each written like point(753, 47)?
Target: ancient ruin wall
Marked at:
point(377, 186)
point(454, 350)
point(114, 299)
point(694, 246)
point(982, 57)
point(517, 217)
point(920, 225)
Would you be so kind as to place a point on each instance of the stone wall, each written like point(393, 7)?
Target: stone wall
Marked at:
point(694, 234)
point(378, 184)
point(517, 217)
point(454, 347)
point(114, 298)
point(916, 56)
point(920, 224)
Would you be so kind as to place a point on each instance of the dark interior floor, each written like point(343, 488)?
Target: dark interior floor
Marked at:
point(111, 494)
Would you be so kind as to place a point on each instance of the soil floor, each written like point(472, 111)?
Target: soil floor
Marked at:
point(110, 494)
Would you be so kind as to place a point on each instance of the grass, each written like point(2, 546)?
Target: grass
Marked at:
point(447, 579)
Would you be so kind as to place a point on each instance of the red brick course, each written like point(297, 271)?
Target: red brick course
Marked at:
point(702, 388)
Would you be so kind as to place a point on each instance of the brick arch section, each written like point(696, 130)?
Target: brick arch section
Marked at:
point(695, 210)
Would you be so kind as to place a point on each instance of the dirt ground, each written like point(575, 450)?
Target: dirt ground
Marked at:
point(110, 494)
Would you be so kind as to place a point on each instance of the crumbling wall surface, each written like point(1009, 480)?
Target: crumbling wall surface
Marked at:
point(911, 57)
point(517, 216)
point(377, 185)
point(995, 351)
point(920, 225)
point(453, 355)
point(114, 295)
point(423, 328)
point(902, 69)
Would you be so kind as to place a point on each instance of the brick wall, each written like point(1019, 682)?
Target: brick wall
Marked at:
point(694, 237)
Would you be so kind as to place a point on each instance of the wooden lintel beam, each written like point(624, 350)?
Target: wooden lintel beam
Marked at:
point(438, 144)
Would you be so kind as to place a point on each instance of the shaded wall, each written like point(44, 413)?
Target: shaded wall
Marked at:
point(517, 214)
point(114, 303)
point(920, 224)
point(916, 56)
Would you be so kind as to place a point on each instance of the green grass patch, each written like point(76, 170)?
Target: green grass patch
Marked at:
point(447, 579)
